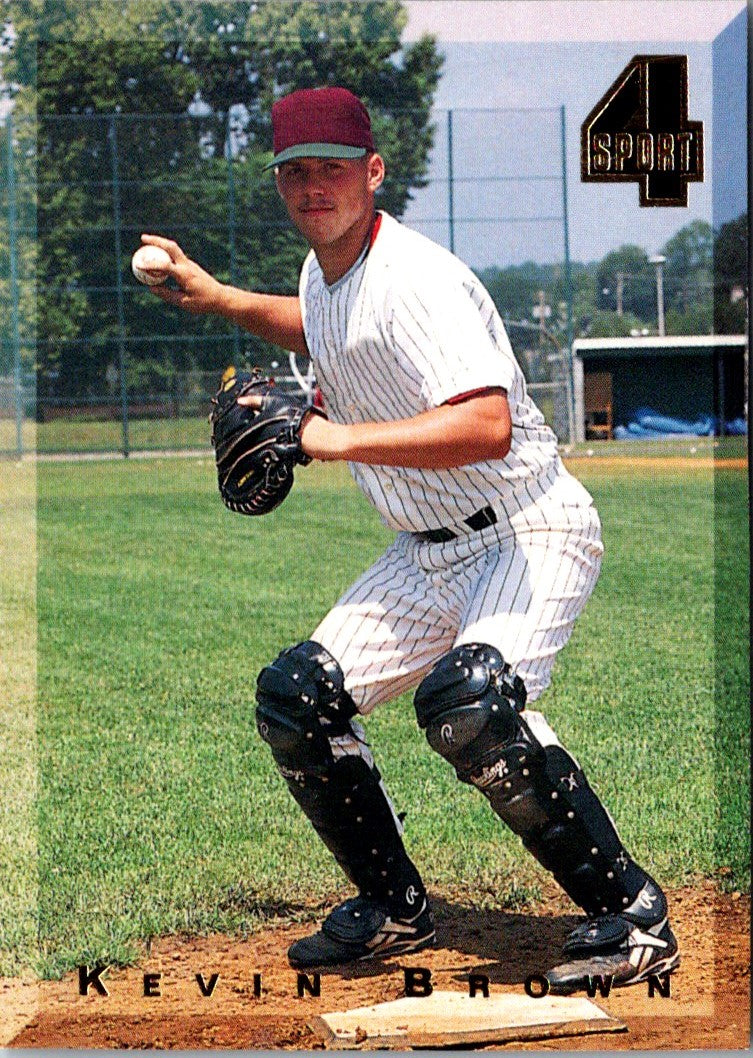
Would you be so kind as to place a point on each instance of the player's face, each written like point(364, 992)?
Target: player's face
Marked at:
point(327, 198)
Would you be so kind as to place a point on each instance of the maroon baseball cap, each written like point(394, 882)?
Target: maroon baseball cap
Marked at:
point(320, 123)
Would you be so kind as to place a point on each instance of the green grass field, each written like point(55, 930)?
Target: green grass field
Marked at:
point(160, 810)
point(66, 435)
point(72, 435)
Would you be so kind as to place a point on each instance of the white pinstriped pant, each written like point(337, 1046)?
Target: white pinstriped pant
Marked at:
point(519, 592)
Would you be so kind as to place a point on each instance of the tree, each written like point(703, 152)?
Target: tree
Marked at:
point(79, 85)
point(246, 55)
point(625, 286)
point(515, 289)
point(694, 320)
point(689, 251)
point(731, 281)
point(605, 324)
point(626, 283)
point(583, 294)
point(688, 279)
point(216, 68)
point(17, 196)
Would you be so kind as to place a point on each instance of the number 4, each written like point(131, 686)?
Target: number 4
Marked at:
point(639, 131)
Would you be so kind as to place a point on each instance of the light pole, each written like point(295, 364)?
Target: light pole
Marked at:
point(658, 260)
point(620, 277)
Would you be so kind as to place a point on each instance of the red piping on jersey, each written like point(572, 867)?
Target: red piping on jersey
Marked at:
point(375, 230)
point(471, 393)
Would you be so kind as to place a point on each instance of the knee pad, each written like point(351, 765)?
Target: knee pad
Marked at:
point(301, 704)
point(304, 715)
point(469, 706)
point(472, 708)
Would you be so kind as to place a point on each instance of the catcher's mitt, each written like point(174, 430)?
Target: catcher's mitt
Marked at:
point(256, 449)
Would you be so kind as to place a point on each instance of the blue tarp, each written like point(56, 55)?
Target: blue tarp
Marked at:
point(648, 424)
point(737, 427)
point(634, 432)
point(665, 424)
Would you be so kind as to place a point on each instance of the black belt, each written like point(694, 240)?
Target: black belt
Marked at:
point(479, 520)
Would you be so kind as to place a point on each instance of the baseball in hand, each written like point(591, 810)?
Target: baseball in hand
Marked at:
point(149, 264)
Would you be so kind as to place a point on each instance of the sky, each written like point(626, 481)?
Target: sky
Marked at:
point(546, 54)
point(730, 102)
point(568, 20)
point(534, 54)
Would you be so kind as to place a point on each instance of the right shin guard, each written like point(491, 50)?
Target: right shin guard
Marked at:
point(304, 714)
point(471, 706)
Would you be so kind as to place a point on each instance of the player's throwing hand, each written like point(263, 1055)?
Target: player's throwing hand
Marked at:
point(274, 317)
point(198, 291)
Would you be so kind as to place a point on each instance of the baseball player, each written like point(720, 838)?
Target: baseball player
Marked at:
point(497, 550)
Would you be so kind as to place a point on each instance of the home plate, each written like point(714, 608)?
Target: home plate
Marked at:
point(446, 1018)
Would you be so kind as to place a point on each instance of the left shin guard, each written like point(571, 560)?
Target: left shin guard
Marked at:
point(305, 716)
point(471, 706)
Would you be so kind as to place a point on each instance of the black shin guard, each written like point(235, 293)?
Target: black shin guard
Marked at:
point(550, 805)
point(304, 714)
point(471, 706)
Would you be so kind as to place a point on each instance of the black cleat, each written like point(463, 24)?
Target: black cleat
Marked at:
point(613, 947)
point(362, 929)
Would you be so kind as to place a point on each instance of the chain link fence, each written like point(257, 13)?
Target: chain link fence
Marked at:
point(91, 361)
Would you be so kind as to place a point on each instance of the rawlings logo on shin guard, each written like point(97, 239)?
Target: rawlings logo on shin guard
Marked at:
point(492, 774)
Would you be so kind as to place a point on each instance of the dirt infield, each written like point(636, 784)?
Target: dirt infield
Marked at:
point(651, 463)
point(709, 1005)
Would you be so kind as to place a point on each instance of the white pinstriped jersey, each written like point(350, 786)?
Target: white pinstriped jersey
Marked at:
point(407, 328)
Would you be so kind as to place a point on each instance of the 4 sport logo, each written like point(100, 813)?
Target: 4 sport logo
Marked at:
point(639, 131)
